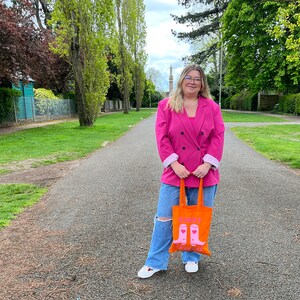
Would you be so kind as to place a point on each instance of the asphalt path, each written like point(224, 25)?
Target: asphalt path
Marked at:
point(104, 208)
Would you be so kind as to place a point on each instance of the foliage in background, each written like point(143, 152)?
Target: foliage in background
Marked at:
point(151, 96)
point(14, 198)
point(7, 102)
point(83, 34)
point(257, 58)
point(204, 19)
point(130, 56)
point(245, 100)
point(289, 104)
point(287, 30)
point(24, 48)
point(44, 93)
point(138, 51)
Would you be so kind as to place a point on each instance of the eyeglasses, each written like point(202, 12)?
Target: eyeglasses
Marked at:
point(190, 78)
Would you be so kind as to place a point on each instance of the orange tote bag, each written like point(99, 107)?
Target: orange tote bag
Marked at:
point(191, 224)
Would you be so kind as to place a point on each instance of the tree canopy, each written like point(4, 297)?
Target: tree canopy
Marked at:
point(24, 49)
point(204, 19)
point(83, 32)
point(262, 40)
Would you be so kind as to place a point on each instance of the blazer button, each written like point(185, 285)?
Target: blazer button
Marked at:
point(198, 148)
point(182, 133)
point(183, 148)
point(202, 133)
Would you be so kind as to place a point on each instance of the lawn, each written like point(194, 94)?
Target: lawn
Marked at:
point(64, 141)
point(51, 144)
point(232, 116)
point(277, 142)
point(14, 198)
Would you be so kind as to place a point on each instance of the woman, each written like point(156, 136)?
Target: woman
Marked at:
point(190, 138)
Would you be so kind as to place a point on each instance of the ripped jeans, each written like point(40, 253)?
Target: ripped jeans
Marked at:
point(158, 255)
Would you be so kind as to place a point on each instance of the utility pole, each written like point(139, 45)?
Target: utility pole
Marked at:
point(216, 2)
point(221, 71)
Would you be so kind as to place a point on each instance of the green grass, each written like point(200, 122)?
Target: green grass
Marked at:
point(51, 144)
point(277, 142)
point(64, 141)
point(14, 198)
point(229, 116)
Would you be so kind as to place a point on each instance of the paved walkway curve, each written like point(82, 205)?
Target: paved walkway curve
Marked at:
point(90, 235)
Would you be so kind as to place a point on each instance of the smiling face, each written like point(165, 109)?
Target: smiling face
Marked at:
point(192, 84)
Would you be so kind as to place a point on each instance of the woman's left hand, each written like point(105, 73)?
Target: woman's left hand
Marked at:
point(202, 170)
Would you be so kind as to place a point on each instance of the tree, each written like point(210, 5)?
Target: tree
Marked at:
point(84, 29)
point(257, 60)
point(205, 23)
point(18, 38)
point(42, 12)
point(139, 55)
point(25, 51)
point(124, 11)
point(287, 30)
point(158, 78)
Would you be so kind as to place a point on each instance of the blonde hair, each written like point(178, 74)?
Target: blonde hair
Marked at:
point(176, 98)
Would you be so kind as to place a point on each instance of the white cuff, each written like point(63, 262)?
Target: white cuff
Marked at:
point(170, 159)
point(212, 160)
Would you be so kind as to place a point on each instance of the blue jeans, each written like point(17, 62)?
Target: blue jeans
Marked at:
point(158, 255)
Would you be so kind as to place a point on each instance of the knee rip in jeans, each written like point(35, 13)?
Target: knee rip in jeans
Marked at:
point(163, 219)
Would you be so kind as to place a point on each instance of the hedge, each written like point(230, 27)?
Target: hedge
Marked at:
point(246, 100)
point(289, 104)
point(7, 102)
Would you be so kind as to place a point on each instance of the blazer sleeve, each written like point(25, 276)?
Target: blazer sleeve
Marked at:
point(165, 148)
point(215, 149)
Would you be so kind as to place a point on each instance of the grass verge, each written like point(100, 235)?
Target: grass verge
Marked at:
point(49, 145)
point(64, 141)
point(280, 143)
point(232, 116)
point(14, 198)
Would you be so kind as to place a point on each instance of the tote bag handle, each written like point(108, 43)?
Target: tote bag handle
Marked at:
point(182, 196)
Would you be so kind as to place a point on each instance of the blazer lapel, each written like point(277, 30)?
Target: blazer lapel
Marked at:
point(200, 116)
point(193, 132)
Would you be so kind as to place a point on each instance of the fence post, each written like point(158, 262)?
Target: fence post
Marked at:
point(15, 110)
point(33, 109)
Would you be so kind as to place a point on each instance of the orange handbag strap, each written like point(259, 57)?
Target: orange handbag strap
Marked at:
point(182, 196)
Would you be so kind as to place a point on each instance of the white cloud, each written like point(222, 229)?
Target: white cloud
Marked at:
point(163, 48)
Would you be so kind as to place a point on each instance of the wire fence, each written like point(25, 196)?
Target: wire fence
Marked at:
point(36, 110)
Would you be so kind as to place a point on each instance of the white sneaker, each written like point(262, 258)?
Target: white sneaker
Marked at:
point(146, 272)
point(191, 267)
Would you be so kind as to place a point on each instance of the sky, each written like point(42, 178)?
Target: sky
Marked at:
point(162, 47)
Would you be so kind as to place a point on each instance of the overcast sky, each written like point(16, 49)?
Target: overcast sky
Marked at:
point(163, 49)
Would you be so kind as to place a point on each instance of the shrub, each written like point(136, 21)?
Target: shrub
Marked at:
point(44, 94)
point(7, 102)
point(226, 102)
point(246, 100)
point(289, 104)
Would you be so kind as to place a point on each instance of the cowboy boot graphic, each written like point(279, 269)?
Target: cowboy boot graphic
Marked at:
point(194, 232)
point(182, 235)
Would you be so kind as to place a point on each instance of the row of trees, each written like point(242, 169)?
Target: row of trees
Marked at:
point(94, 44)
point(257, 41)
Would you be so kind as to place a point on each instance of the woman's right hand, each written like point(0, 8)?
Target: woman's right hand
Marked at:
point(179, 169)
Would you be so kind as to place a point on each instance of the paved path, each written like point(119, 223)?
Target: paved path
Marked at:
point(101, 215)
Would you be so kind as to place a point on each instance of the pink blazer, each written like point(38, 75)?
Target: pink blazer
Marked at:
point(190, 143)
